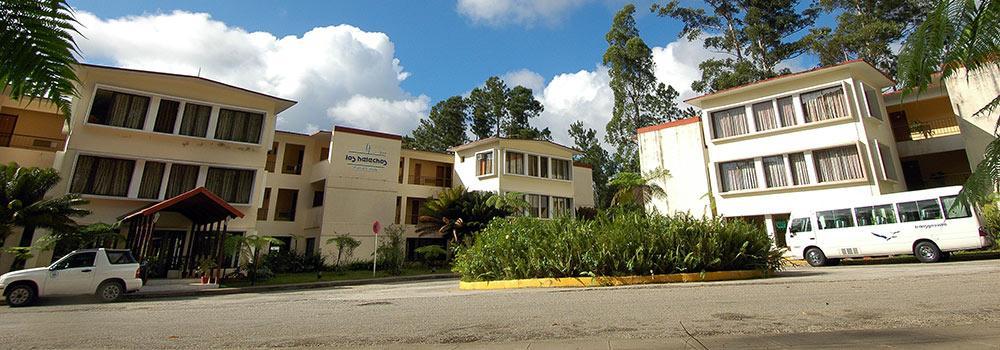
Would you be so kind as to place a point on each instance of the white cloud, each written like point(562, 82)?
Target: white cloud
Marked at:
point(585, 96)
point(525, 78)
point(339, 74)
point(677, 64)
point(523, 12)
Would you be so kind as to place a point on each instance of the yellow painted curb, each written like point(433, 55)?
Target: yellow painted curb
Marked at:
point(612, 281)
point(796, 262)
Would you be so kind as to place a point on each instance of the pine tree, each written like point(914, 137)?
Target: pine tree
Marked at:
point(865, 29)
point(594, 155)
point(489, 107)
point(443, 128)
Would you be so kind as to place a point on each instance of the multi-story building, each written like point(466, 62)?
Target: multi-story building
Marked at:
point(140, 145)
point(758, 151)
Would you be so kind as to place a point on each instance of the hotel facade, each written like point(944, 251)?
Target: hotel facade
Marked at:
point(145, 147)
point(758, 151)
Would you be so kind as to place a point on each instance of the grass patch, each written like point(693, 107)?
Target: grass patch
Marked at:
point(306, 277)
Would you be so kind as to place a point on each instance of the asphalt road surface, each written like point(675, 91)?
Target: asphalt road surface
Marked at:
point(911, 305)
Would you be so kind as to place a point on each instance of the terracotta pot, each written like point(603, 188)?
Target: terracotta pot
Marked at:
point(204, 279)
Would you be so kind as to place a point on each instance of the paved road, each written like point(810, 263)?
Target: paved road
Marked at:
point(945, 304)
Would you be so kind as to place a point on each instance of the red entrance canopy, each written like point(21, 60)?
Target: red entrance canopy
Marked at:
point(199, 205)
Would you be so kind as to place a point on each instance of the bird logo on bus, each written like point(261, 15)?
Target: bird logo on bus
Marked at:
point(886, 237)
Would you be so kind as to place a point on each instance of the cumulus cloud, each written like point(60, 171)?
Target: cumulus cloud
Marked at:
point(584, 95)
point(523, 12)
point(339, 74)
point(525, 78)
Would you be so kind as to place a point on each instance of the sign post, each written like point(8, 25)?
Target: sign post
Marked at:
point(376, 227)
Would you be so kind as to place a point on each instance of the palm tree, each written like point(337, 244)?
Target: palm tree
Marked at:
point(250, 248)
point(637, 190)
point(38, 51)
point(457, 212)
point(22, 204)
point(957, 35)
point(345, 246)
point(511, 201)
point(91, 236)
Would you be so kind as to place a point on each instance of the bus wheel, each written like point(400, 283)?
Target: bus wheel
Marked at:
point(815, 257)
point(927, 252)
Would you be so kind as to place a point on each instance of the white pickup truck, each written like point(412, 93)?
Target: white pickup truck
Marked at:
point(106, 273)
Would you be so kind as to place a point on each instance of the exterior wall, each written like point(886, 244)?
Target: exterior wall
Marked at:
point(968, 94)
point(37, 133)
point(465, 168)
point(583, 191)
point(307, 219)
point(680, 149)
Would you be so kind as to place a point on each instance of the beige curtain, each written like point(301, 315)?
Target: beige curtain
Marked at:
point(119, 109)
point(183, 178)
point(232, 185)
point(738, 175)
point(730, 122)
point(102, 176)
point(764, 116)
point(239, 126)
point(786, 110)
point(166, 116)
point(824, 104)
point(515, 163)
point(838, 164)
point(195, 121)
point(774, 171)
point(152, 177)
point(800, 172)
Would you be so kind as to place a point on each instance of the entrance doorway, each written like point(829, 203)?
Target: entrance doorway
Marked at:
point(166, 249)
point(7, 124)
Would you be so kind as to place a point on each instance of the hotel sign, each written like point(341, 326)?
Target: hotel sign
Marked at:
point(367, 159)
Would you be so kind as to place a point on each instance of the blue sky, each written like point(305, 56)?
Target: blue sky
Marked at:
point(438, 48)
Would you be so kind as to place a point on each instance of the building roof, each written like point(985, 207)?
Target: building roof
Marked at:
point(859, 64)
point(282, 103)
point(498, 139)
point(350, 130)
point(199, 205)
point(670, 124)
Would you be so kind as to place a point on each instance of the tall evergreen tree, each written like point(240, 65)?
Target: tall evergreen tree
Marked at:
point(443, 128)
point(639, 100)
point(489, 107)
point(521, 107)
point(865, 29)
point(594, 155)
point(756, 34)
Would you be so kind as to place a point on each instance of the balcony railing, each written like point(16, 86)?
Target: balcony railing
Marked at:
point(429, 181)
point(31, 142)
point(925, 129)
point(295, 169)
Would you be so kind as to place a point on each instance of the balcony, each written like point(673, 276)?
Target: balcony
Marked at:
point(928, 136)
point(29, 150)
point(429, 181)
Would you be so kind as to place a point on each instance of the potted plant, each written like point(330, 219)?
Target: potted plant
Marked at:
point(205, 266)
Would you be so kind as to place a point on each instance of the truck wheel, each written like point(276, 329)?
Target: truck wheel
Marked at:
point(927, 252)
point(815, 257)
point(21, 295)
point(110, 291)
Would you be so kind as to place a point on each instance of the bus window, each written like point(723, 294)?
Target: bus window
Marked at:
point(800, 225)
point(875, 215)
point(839, 218)
point(953, 210)
point(927, 209)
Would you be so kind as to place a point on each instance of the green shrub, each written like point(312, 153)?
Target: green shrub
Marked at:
point(289, 261)
point(991, 220)
point(615, 243)
point(392, 250)
point(432, 255)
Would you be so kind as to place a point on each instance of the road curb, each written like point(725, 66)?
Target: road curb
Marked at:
point(612, 280)
point(283, 287)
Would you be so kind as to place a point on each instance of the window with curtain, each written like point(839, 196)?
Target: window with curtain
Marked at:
point(166, 116)
point(484, 163)
point(152, 177)
point(102, 176)
point(232, 185)
point(543, 167)
point(532, 165)
point(239, 126)
point(730, 122)
point(786, 111)
point(562, 206)
point(183, 178)
point(824, 104)
point(538, 205)
point(118, 109)
point(515, 162)
point(871, 99)
point(764, 116)
point(800, 171)
point(562, 169)
point(738, 175)
point(774, 171)
point(888, 166)
point(195, 120)
point(838, 164)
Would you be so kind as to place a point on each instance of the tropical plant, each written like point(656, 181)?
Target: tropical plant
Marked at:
point(635, 190)
point(205, 266)
point(513, 202)
point(957, 36)
point(38, 51)
point(391, 250)
point(250, 249)
point(458, 213)
point(23, 204)
point(95, 235)
point(345, 247)
point(432, 255)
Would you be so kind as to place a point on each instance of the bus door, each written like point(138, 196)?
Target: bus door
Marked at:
point(800, 234)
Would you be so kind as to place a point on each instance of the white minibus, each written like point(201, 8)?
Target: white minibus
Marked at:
point(926, 223)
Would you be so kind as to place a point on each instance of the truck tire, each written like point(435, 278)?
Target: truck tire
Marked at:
point(21, 295)
point(110, 291)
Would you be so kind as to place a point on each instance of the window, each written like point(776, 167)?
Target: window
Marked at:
point(737, 175)
point(764, 116)
point(562, 206)
point(562, 169)
point(838, 164)
point(119, 257)
point(871, 97)
point(538, 205)
point(927, 209)
point(800, 171)
point(310, 246)
point(875, 215)
point(78, 260)
point(286, 204)
point(774, 171)
point(831, 219)
point(484, 163)
point(730, 122)
point(166, 116)
point(543, 167)
point(324, 153)
point(953, 210)
point(532, 165)
point(515, 162)
point(786, 111)
point(183, 178)
point(800, 225)
point(195, 121)
point(264, 205)
point(318, 198)
point(118, 109)
point(272, 158)
point(152, 177)
point(824, 104)
point(102, 176)
point(232, 185)
point(888, 166)
point(241, 126)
